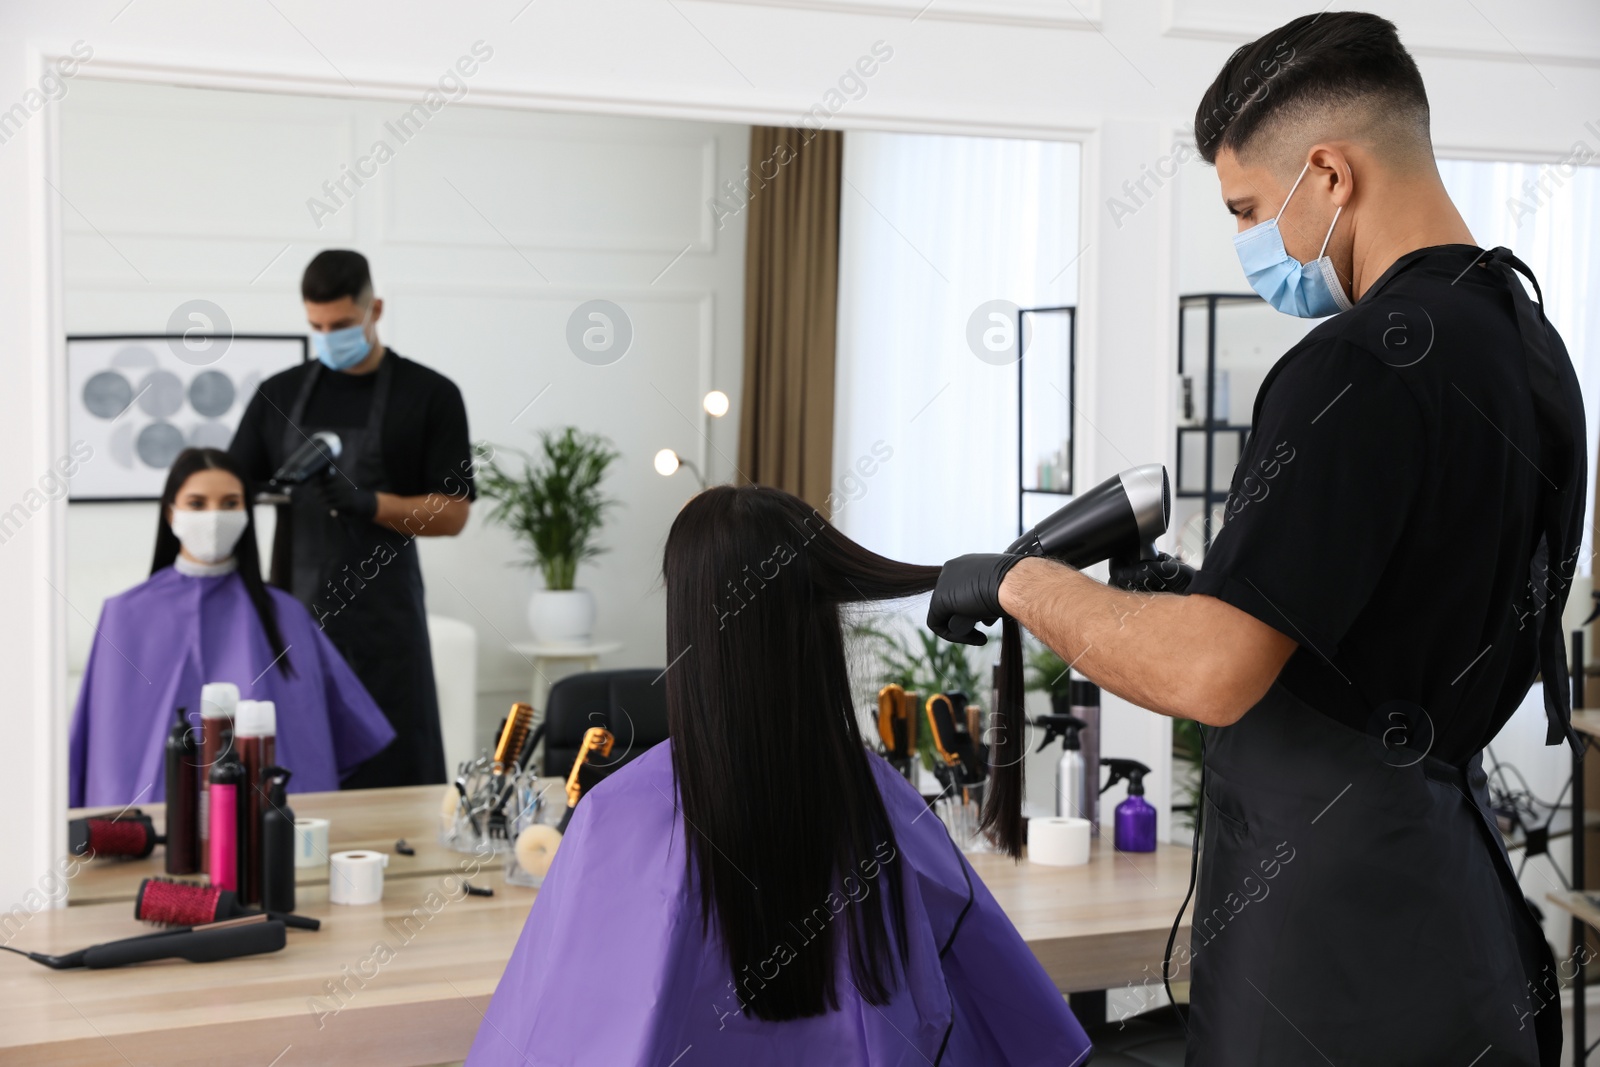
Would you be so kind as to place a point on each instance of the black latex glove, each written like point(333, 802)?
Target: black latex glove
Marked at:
point(968, 593)
point(1164, 574)
point(344, 499)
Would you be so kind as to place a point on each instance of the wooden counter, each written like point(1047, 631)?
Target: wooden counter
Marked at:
point(372, 819)
point(1098, 926)
point(333, 996)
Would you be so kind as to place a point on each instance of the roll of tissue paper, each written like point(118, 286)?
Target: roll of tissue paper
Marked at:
point(1058, 841)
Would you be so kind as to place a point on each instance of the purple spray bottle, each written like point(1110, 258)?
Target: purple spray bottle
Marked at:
point(1135, 818)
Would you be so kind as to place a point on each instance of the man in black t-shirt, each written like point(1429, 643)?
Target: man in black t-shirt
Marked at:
point(345, 545)
point(1398, 544)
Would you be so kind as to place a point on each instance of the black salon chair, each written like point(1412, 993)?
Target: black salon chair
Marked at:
point(1151, 1039)
point(632, 704)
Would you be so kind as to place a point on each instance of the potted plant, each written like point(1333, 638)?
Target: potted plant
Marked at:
point(1046, 672)
point(555, 508)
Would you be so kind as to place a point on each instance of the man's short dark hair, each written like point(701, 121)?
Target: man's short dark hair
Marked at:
point(335, 274)
point(1315, 64)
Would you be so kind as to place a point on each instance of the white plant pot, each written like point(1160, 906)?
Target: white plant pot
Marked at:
point(561, 616)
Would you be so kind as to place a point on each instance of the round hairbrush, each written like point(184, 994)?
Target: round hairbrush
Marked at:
point(536, 847)
point(165, 902)
point(130, 835)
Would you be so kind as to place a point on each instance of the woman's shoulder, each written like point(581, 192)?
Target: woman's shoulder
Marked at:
point(161, 583)
point(634, 806)
point(648, 775)
point(285, 603)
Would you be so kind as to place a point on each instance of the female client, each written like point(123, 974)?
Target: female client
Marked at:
point(761, 888)
point(204, 615)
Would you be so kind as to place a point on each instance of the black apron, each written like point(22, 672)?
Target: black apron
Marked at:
point(1355, 903)
point(363, 584)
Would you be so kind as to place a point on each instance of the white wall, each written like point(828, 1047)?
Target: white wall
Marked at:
point(485, 230)
point(1120, 77)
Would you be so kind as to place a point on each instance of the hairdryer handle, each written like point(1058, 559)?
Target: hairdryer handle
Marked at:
point(196, 946)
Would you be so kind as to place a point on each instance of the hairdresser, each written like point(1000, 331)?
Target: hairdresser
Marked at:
point(404, 471)
point(1389, 580)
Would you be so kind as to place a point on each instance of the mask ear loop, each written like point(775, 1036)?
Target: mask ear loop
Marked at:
point(1335, 283)
point(1324, 249)
point(1292, 188)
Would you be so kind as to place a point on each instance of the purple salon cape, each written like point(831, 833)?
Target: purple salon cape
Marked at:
point(612, 967)
point(160, 641)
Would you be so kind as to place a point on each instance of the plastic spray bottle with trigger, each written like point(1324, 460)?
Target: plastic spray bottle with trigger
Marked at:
point(1135, 818)
point(1072, 784)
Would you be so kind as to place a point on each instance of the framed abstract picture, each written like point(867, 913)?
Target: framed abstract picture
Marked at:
point(137, 400)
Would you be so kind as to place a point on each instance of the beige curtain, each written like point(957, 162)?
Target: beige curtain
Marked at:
point(791, 296)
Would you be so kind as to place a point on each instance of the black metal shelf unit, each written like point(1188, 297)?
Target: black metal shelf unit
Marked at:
point(1027, 486)
point(1210, 427)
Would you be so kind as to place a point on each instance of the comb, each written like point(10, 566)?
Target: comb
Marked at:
point(518, 724)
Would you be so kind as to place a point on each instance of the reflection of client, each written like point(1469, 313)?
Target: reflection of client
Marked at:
point(761, 888)
point(204, 615)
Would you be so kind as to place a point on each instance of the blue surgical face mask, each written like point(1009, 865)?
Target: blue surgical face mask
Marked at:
point(1308, 290)
point(342, 349)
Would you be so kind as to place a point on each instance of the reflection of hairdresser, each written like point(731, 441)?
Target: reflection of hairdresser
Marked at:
point(762, 888)
point(204, 615)
point(404, 471)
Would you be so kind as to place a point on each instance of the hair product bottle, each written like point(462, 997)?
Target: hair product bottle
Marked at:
point(226, 812)
point(255, 733)
point(277, 844)
point(218, 700)
point(1085, 703)
point(183, 797)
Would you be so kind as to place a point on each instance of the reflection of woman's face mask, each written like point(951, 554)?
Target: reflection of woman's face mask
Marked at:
point(209, 536)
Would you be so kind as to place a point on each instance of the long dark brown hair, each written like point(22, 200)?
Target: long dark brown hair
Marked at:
point(245, 552)
point(779, 803)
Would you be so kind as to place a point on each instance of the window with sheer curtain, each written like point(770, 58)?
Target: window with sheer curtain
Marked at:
point(1548, 216)
point(932, 228)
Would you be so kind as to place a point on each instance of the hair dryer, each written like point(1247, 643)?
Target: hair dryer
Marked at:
point(1121, 517)
point(314, 457)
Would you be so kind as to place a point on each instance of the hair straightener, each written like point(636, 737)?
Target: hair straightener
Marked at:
point(230, 939)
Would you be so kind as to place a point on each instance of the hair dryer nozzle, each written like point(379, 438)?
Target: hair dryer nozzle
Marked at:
point(1119, 517)
point(312, 458)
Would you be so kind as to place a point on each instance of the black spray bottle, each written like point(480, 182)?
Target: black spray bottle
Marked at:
point(183, 797)
point(277, 843)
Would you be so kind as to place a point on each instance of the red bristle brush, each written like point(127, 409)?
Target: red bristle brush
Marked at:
point(131, 835)
point(167, 903)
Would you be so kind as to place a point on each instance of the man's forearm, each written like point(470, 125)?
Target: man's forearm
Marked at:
point(430, 515)
point(1178, 655)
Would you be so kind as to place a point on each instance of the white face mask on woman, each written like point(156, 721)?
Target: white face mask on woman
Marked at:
point(209, 536)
